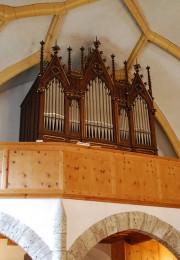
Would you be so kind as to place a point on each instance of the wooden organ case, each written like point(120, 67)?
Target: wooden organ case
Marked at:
point(90, 105)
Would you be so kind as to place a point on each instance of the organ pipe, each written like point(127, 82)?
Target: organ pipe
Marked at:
point(74, 117)
point(141, 122)
point(54, 106)
point(98, 108)
point(123, 125)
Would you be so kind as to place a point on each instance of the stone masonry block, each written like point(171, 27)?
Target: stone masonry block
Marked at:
point(111, 224)
point(172, 238)
point(79, 249)
point(38, 248)
point(99, 230)
point(136, 220)
point(149, 223)
point(89, 239)
point(160, 229)
point(123, 221)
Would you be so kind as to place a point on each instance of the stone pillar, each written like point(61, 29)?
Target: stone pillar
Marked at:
point(59, 233)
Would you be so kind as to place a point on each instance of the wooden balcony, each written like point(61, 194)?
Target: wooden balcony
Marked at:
point(45, 170)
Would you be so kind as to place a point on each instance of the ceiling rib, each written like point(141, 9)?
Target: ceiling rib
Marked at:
point(138, 47)
point(19, 67)
point(51, 34)
point(9, 13)
point(152, 36)
point(61, 8)
point(32, 60)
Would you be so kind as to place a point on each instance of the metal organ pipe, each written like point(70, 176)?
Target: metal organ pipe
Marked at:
point(101, 110)
point(123, 125)
point(104, 110)
point(57, 107)
point(98, 113)
point(97, 107)
point(74, 116)
point(92, 111)
point(94, 83)
point(141, 122)
point(54, 106)
point(110, 115)
point(87, 112)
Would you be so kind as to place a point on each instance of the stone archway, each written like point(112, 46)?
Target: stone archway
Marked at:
point(137, 221)
point(25, 237)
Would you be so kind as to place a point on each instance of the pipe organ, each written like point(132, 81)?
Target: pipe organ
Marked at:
point(89, 105)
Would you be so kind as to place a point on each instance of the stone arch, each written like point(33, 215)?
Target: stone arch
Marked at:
point(24, 236)
point(135, 221)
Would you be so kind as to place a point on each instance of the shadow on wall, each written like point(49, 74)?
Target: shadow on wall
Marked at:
point(164, 146)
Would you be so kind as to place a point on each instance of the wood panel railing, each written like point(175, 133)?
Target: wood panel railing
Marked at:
point(73, 171)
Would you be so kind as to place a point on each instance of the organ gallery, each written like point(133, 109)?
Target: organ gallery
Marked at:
point(89, 105)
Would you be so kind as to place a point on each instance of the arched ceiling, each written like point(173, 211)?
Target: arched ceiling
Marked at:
point(144, 30)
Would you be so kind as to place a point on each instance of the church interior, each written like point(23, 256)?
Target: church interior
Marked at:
point(89, 130)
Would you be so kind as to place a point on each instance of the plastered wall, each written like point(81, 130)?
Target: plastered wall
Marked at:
point(10, 101)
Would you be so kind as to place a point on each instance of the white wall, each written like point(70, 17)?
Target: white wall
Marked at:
point(10, 102)
point(38, 214)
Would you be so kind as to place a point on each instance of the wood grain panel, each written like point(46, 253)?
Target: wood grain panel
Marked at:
point(72, 171)
point(33, 169)
point(148, 250)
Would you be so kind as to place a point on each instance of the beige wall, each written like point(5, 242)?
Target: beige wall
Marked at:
point(8, 252)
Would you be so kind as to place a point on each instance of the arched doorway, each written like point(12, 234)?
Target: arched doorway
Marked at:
point(128, 221)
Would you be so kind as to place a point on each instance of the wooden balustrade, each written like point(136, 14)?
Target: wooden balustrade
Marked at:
point(91, 173)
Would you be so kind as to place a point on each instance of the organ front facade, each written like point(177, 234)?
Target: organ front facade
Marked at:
point(90, 105)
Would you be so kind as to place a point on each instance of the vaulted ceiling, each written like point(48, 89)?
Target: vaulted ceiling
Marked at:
point(147, 31)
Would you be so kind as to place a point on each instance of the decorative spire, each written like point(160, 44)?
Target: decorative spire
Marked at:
point(149, 81)
point(82, 58)
point(97, 43)
point(56, 48)
point(69, 59)
point(137, 67)
point(113, 66)
point(42, 57)
point(126, 77)
point(126, 72)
